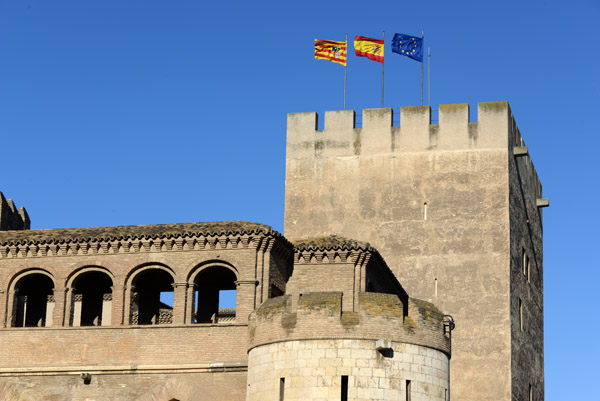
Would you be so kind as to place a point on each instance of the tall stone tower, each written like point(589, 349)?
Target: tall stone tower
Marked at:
point(455, 209)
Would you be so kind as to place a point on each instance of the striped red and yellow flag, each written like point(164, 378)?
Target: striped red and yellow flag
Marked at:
point(331, 50)
point(369, 48)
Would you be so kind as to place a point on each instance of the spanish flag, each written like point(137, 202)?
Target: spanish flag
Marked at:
point(331, 50)
point(369, 48)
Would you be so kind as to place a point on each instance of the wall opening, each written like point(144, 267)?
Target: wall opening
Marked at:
point(146, 306)
point(215, 296)
point(520, 314)
point(344, 395)
point(33, 301)
point(91, 301)
point(408, 390)
point(530, 392)
point(281, 389)
point(435, 287)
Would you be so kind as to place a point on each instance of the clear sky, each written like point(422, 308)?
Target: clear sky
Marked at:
point(141, 112)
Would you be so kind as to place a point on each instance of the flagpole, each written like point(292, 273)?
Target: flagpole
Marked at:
point(422, 37)
point(345, 71)
point(382, 64)
point(428, 76)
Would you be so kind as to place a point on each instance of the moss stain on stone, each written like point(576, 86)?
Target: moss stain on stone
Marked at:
point(410, 324)
point(350, 319)
point(271, 307)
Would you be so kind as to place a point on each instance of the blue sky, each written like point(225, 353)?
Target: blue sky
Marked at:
point(142, 112)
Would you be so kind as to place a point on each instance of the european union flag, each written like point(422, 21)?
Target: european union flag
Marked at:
point(408, 46)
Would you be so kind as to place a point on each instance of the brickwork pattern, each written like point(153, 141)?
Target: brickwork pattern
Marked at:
point(214, 386)
point(120, 350)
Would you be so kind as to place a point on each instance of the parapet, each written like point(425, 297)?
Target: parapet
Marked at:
point(415, 133)
point(319, 316)
point(12, 218)
point(378, 135)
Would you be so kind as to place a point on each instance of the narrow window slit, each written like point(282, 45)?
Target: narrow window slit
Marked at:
point(521, 314)
point(344, 396)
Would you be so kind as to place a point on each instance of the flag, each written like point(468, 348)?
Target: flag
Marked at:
point(408, 46)
point(331, 50)
point(369, 48)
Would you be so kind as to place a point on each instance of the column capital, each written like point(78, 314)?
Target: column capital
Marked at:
point(175, 285)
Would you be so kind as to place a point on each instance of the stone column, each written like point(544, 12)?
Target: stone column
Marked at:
point(191, 304)
point(58, 313)
point(117, 305)
point(50, 305)
point(244, 301)
point(106, 309)
point(266, 281)
point(77, 304)
point(68, 319)
point(179, 302)
point(10, 309)
point(2, 308)
point(127, 307)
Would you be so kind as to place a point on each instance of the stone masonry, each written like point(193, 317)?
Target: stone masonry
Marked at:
point(454, 208)
point(385, 222)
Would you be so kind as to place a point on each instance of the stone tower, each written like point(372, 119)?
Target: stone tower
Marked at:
point(455, 210)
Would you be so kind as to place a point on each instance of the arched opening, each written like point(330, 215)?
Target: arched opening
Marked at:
point(33, 301)
point(215, 295)
point(146, 306)
point(92, 299)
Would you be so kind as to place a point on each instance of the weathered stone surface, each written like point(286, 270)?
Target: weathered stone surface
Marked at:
point(440, 204)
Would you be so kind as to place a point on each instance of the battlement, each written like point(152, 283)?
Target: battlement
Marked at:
point(12, 218)
point(496, 130)
point(319, 315)
point(340, 137)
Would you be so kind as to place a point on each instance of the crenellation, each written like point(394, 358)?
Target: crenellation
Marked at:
point(302, 128)
point(338, 136)
point(414, 133)
point(493, 126)
point(12, 218)
point(378, 135)
point(376, 132)
point(453, 131)
point(441, 202)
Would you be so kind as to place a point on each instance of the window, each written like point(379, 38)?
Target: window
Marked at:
point(281, 389)
point(520, 314)
point(530, 392)
point(91, 300)
point(344, 394)
point(146, 307)
point(215, 296)
point(408, 390)
point(34, 301)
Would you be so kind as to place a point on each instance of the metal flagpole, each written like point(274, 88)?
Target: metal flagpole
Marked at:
point(422, 37)
point(382, 64)
point(428, 76)
point(345, 70)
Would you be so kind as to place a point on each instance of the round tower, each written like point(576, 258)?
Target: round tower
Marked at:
point(364, 339)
